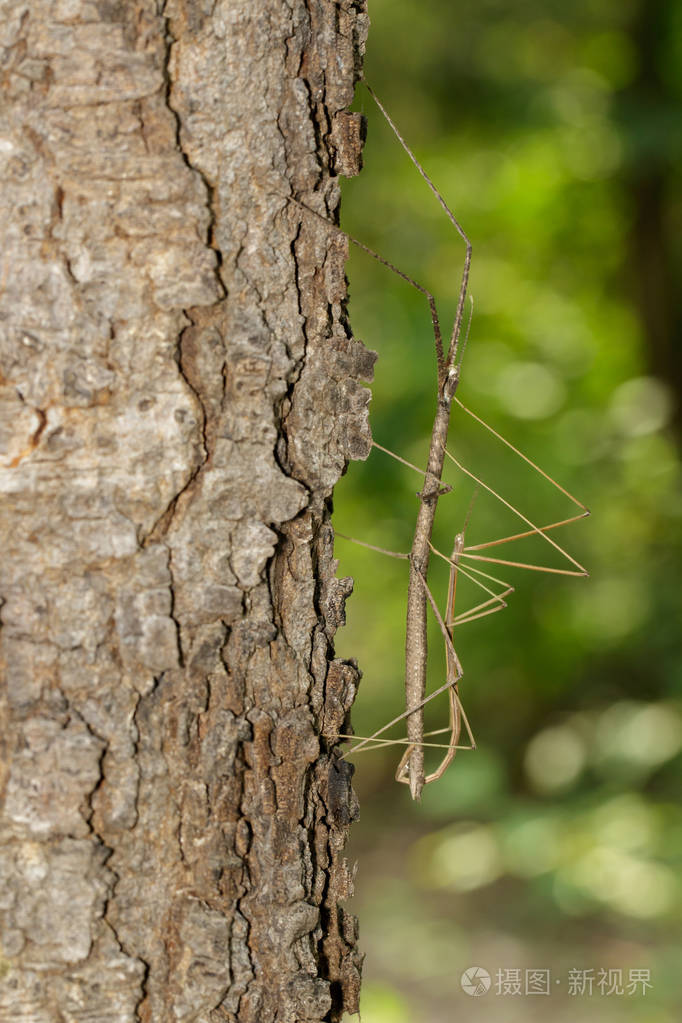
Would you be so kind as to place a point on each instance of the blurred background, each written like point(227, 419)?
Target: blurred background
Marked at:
point(553, 131)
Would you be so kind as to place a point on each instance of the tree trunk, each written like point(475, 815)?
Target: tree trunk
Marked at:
point(649, 116)
point(179, 394)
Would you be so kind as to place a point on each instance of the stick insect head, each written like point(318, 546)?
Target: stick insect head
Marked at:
point(450, 383)
point(458, 547)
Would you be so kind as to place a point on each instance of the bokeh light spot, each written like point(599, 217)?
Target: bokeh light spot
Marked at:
point(643, 735)
point(609, 609)
point(529, 390)
point(462, 858)
point(626, 823)
point(633, 887)
point(641, 405)
point(554, 758)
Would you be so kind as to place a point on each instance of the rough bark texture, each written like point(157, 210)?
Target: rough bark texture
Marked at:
point(179, 394)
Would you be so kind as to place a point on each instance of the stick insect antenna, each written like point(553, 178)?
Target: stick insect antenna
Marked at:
point(460, 357)
point(470, 509)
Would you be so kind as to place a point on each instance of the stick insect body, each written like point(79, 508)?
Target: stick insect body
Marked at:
point(411, 767)
point(453, 673)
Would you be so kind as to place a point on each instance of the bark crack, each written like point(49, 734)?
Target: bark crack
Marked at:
point(171, 610)
point(170, 41)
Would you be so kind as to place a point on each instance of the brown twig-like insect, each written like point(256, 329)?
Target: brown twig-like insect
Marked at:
point(448, 364)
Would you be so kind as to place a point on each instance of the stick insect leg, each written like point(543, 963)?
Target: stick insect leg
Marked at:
point(372, 547)
point(528, 532)
point(456, 327)
point(581, 571)
point(550, 479)
point(364, 740)
point(496, 599)
point(435, 322)
point(456, 710)
point(443, 488)
point(372, 741)
point(382, 743)
point(534, 465)
point(457, 670)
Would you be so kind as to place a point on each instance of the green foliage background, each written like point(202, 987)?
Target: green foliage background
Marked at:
point(553, 131)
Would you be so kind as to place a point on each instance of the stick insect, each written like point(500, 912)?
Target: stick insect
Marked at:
point(448, 364)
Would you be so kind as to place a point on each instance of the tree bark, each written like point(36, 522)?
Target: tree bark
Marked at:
point(179, 393)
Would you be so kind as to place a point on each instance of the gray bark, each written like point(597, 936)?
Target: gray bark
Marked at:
point(179, 392)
